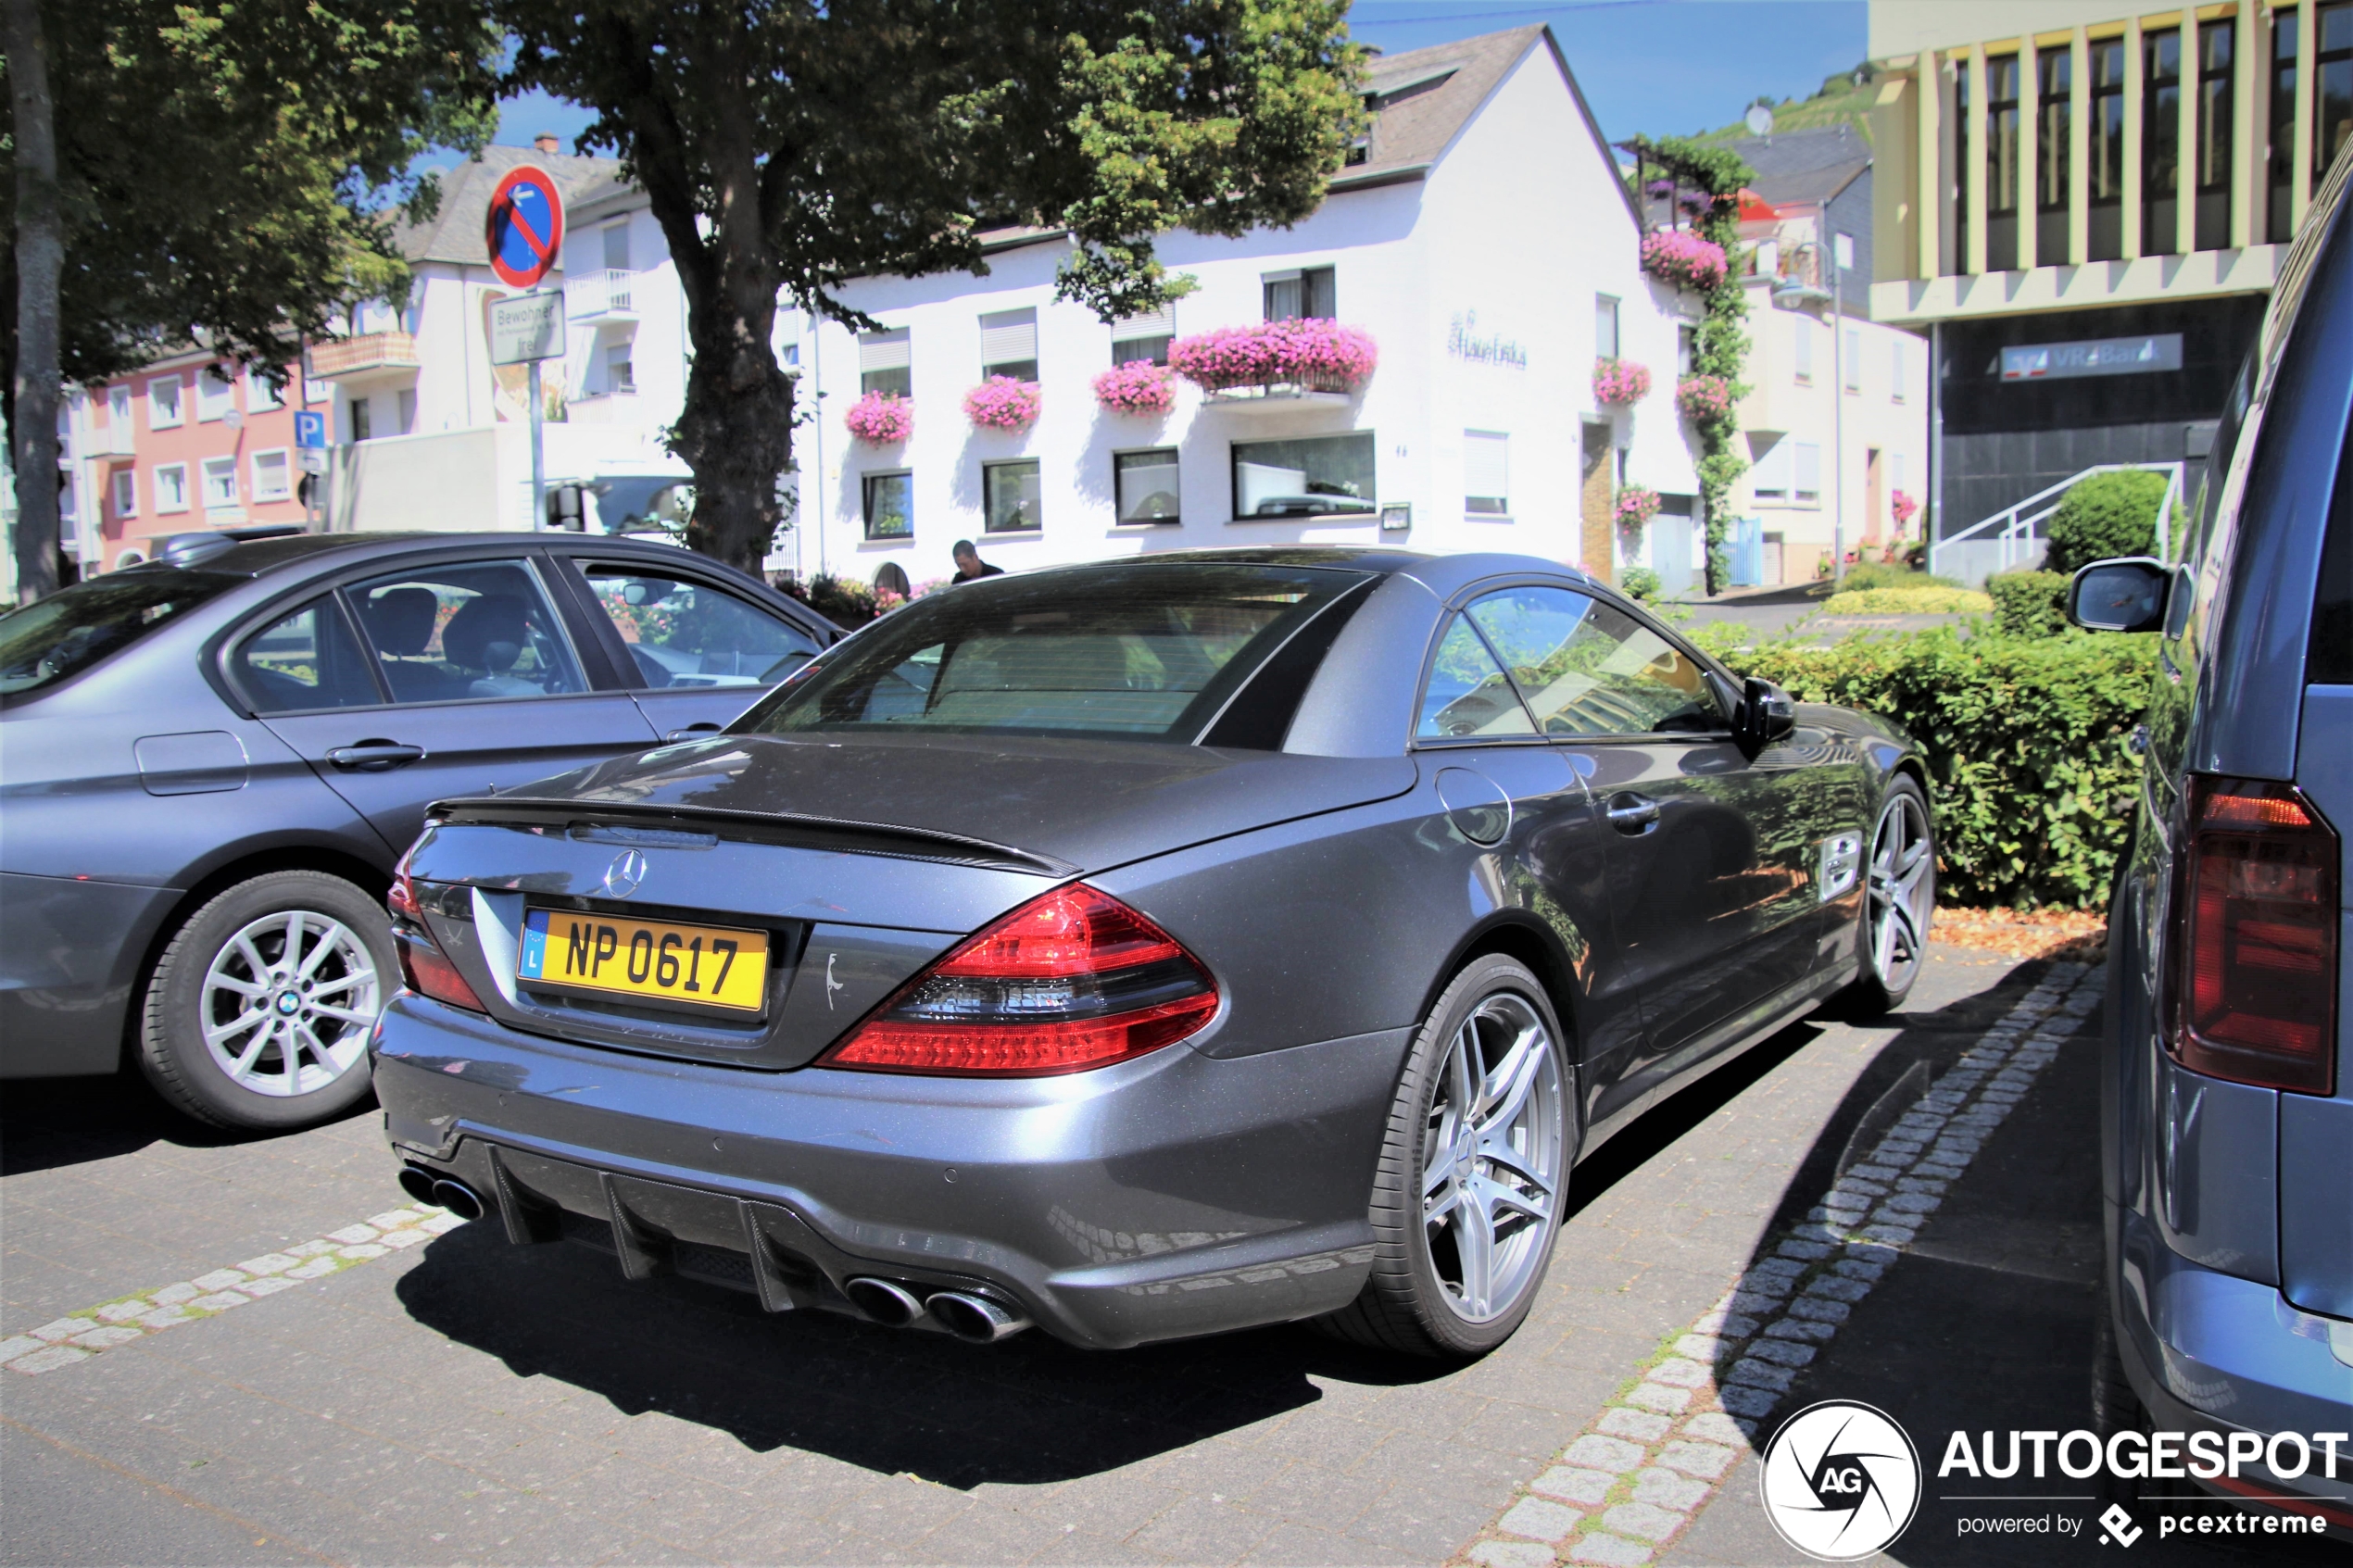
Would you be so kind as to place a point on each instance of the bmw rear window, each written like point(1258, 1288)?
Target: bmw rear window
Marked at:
point(1150, 651)
point(62, 636)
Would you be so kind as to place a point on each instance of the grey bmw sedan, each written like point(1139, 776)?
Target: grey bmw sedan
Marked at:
point(1145, 949)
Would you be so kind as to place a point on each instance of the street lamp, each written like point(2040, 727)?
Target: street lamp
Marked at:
point(1794, 293)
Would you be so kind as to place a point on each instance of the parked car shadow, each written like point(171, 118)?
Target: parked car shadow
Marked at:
point(47, 1122)
point(1986, 1322)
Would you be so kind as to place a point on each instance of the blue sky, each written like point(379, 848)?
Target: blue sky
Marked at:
point(1656, 66)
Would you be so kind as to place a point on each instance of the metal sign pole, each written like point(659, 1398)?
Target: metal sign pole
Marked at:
point(539, 452)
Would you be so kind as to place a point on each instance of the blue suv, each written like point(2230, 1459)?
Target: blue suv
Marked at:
point(2226, 1109)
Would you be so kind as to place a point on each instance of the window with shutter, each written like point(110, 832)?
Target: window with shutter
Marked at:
point(1802, 356)
point(1852, 368)
point(1144, 337)
point(1486, 474)
point(884, 361)
point(1896, 367)
point(1009, 344)
point(1805, 481)
point(1309, 291)
point(1769, 475)
point(1605, 327)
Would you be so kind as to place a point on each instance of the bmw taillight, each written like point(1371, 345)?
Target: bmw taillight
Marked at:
point(2255, 987)
point(1071, 980)
point(425, 968)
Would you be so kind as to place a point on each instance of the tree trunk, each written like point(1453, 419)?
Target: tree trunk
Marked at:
point(40, 259)
point(735, 433)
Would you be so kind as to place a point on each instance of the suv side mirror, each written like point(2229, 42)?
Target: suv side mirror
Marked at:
point(1766, 715)
point(2126, 593)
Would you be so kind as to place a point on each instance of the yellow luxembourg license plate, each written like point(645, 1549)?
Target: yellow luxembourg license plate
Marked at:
point(707, 966)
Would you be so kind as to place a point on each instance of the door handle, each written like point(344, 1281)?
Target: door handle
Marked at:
point(1632, 815)
point(375, 756)
point(691, 731)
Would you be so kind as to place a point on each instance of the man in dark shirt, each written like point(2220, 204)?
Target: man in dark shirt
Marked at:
point(969, 566)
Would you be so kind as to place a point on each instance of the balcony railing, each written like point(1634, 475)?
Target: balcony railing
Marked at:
point(609, 292)
point(332, 358)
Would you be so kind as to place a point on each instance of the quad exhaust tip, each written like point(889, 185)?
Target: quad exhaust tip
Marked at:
point(974, 1319)
point(417, 1182)
point(460, 1199)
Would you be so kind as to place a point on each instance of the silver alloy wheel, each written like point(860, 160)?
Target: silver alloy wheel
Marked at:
point(1493, 1156)
point(1902, 888)
point(287, 1003)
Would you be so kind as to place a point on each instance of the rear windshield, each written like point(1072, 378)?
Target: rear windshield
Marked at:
point(1152, 651)
point(70, 631)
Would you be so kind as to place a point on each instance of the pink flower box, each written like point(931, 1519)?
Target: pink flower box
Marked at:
point(1139, 388)
point(881, 418)
point(1003, 403)
point(1311, 355)
point(1703, 398)
point(1636, 507)
point(1620, 383)
point(1682, 257)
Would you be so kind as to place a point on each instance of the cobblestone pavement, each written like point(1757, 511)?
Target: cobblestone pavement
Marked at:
point(453, 1399)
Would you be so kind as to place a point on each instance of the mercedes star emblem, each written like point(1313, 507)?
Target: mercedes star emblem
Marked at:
point(628, 869)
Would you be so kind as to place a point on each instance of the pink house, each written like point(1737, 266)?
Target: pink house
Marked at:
point(189, 444)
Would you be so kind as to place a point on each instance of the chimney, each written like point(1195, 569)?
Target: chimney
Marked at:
point(547, 143)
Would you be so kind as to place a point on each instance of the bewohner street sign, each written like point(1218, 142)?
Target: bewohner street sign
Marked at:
point(527, 327)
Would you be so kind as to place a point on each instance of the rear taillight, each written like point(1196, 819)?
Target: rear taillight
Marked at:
point(425, 968)
point(1069, 981)
point(2255, 987)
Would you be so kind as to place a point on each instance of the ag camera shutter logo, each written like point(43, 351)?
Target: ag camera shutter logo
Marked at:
point(1841, 1481)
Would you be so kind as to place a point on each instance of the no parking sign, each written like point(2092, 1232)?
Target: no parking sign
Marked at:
point(527, 226)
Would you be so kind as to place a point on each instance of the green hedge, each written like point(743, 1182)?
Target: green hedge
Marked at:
point(2024, 741)
point(2108, 514)
point(2029, 604)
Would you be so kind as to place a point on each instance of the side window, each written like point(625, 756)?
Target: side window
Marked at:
point(683, 634)
point(1468, 692)
point(465, 630)
point(307, 660)
point(1589, 669)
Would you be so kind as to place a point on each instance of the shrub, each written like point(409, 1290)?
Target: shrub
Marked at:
point(1683, 258)
point(1003, 403)
point(880, 419)
point(1638, 583)
point(846, 604)
point(1927, 599)
point(1621, 381)
point(1703, 398)
point(1139, 388)
point(1879, 574)
point(2029, 604)
point(2108, 514)
point(2024, 738)
point(1319, 355)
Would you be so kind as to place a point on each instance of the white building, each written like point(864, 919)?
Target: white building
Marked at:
point(1483, 237)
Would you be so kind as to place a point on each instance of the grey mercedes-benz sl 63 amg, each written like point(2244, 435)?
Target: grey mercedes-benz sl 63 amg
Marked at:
point(1146, 949)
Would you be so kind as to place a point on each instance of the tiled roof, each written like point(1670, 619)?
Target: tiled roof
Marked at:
point(1805, 165)
point(1424, 98)
point(455, 233)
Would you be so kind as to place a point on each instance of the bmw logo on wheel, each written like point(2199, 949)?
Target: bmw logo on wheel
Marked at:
point(1841, 1480)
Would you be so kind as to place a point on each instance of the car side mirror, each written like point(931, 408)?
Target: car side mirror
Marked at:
point(1767, 714)
point(2126, 593)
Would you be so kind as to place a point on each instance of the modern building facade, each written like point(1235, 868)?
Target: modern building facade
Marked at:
point(2084, 204)
point(1482, 238)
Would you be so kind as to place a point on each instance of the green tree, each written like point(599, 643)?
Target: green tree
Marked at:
point(786, 146)
point(228, 171)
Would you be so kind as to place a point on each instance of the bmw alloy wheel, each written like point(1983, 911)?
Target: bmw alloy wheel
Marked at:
point(287, 1002)
point(1903, 887)
point(1494, 1158)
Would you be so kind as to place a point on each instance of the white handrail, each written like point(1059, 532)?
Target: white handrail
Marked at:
point(2018, 528)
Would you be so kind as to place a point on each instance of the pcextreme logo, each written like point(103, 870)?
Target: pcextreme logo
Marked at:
point(1841, 1480)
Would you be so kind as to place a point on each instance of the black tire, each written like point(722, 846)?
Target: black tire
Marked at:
point(1880, 988)
point(173, 1049)
point(2115, 1407)
point(1408, 1305)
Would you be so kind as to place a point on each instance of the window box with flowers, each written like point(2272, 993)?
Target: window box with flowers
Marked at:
point(881, 418)
point(1703, 398)
point(1683, 258)
point(1139, 389)
point(1003, 403)
point(1303, 358)
point(1620, 383)
point(1636, 506)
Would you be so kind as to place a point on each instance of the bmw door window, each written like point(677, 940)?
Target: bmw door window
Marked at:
point(303, 661)
point(66, 633)
point(1152, 652)
point(464, 630)
point(682, 633)
point(1468, 696)
point(1587, 669)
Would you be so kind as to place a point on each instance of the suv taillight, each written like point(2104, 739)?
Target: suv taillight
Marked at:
point(2254, 981)
point(425, 968)
point(1071, 980)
